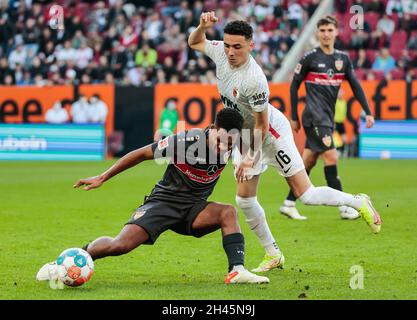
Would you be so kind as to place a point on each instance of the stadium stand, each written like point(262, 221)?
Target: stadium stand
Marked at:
point(144, 42)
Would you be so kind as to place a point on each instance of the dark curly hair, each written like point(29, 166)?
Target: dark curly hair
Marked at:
point(229, 119)
point(240, 28)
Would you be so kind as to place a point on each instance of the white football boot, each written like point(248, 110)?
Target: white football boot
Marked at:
point(49, 272)
point(241, 275)
point(270, 262)
point(288, 209)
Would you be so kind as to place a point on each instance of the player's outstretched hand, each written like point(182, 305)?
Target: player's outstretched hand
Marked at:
point(369, 121)
point(208, 19)
point(90, 183)
point(295, 125)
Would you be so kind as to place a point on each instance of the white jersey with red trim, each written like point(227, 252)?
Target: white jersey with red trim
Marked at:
point(244, 88)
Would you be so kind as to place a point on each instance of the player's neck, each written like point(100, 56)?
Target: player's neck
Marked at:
point(327, 49)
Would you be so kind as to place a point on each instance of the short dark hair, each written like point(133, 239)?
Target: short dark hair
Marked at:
point(327, 20)
point(240, 28)
point(229, 119)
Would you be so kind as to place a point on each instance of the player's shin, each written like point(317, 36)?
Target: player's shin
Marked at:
point(234, 246)
point(330, 197)
point(255, 217)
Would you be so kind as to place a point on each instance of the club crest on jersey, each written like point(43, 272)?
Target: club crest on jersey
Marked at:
point(298, 68)
point(163, 144)
point(327, 141)
point(139, 214)
point(235, 92)
point(338, 64)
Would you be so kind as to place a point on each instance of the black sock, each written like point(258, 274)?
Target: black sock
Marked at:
point(291, 196)
point(234, 246)
point(333, 181)
point(85, 247)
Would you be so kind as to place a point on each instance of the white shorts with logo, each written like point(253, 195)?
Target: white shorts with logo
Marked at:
point(278, 150)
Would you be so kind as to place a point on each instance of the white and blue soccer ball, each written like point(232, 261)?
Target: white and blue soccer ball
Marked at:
point(75, 267)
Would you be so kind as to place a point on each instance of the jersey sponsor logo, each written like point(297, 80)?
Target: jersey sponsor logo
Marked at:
point(214, 43)
point(259, 98)
point(322, 65)
point(327, 140)
point(298, 68)
point(163, 144)
point(323, 78)
point(229, 103)
point(338, 64)
point(199, 175)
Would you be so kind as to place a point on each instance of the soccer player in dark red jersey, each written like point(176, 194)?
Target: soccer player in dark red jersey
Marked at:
point(178, 202)
point(323, 69)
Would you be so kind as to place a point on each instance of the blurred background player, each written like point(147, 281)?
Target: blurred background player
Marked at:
point(57, 114)
point(323, 69)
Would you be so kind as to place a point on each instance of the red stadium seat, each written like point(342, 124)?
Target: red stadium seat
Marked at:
point(210, 5)
point(379, 75)
point(398, 43)
point(397, 74)
point(372, 18)
point(371, 55)
point(361, 74)
point(353, 54)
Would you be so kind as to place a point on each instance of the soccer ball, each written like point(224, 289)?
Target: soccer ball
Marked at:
point(75, 267)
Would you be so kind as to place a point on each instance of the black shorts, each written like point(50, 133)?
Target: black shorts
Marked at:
point(319, 138)
point(156, 216)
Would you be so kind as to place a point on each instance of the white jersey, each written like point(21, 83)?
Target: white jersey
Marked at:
point(244, 88)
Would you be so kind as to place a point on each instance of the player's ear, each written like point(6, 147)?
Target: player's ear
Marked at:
point(251, 45)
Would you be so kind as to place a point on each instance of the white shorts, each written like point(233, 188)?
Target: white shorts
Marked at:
point(278, 150)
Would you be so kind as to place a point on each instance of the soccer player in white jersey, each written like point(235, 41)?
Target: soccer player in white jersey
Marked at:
point(243, 86)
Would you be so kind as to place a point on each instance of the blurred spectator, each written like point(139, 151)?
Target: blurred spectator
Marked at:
point(384, 61)
point(97, 110)
point(80, 110)
point(17, 56)
point(146, 56)
point(57, 114)
point(169, 118)
point(295, 14)
point(375, 6)
point(386, 26)
point(362, 61)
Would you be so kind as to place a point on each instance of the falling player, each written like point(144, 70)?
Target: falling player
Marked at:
point(179, 201)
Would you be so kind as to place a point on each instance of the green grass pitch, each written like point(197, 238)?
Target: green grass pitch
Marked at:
point(41, 215)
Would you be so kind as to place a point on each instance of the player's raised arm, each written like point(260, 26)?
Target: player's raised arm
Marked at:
point(129, 160)
point(197, 38)
point(359, 94)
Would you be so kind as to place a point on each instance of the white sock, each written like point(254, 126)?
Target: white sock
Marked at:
point(289, 203)
point(238, 267)
point(330, 197)
point(255, 217)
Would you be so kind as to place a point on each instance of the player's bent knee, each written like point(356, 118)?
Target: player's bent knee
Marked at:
point(229, 213)
point(245, 203)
